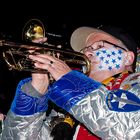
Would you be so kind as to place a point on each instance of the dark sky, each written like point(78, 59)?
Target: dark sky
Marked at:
point(58, 15)
point(64, 17)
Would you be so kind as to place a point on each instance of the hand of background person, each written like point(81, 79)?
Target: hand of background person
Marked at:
point(2, 116)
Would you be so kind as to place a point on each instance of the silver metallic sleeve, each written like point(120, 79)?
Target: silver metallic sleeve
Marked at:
point(93, 112)
point(30, 127)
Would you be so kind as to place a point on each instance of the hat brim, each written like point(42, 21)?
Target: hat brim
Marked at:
point(85, 36)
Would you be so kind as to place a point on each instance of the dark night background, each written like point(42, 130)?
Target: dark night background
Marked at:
point(58, 18)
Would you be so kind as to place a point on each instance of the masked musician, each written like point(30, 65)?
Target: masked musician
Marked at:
point(106, 102)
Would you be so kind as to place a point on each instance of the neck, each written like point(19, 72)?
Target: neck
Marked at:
point(101, 76)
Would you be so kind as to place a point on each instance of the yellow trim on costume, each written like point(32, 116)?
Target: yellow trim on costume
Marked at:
point(106, 81)
point(69, 120)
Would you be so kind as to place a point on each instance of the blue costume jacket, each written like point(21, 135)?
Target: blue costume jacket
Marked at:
point(110, 114)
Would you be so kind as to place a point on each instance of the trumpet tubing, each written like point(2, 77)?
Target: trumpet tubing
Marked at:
point(16, 56)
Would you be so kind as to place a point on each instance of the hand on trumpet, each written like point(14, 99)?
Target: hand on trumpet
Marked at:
point(40, 81)
point(56, 67)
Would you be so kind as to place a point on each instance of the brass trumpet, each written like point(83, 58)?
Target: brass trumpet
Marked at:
point(16, 54)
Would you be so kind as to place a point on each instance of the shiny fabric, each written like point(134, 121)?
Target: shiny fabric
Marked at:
point(71, 88)
point(25, 104)
point(27, 118)
point(32, 127)
point(93, 112)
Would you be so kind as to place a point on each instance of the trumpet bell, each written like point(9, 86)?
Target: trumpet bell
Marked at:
point(33, 29)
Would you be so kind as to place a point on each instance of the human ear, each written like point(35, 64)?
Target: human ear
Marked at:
point(129, 58)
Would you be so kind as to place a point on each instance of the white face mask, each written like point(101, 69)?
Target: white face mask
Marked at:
point(109, 59)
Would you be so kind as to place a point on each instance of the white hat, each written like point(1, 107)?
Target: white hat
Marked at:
point(83, 35)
